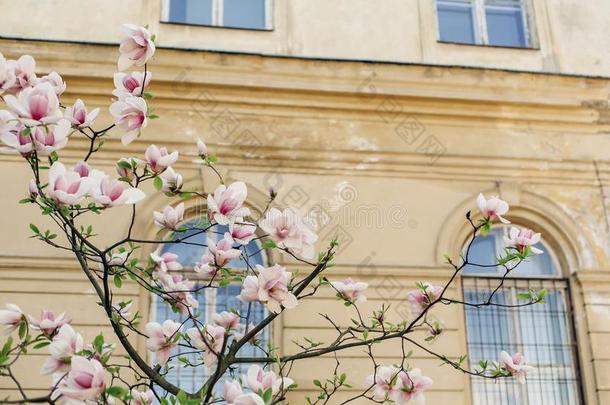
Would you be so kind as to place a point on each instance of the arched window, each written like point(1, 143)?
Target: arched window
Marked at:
point(211, 300)
point(543, 332)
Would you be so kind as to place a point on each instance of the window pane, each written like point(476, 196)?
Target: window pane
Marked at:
point(244, 13)
point(456, 21)
point(482, 251)
point(191, 11)
point(505, 23)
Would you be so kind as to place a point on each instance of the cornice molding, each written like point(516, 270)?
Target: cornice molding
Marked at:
point(453, 98)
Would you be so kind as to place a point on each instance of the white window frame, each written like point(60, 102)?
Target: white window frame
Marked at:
point(481, 36)
point(218, 14)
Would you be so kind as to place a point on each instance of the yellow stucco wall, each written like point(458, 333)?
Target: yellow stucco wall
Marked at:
point(336, 134)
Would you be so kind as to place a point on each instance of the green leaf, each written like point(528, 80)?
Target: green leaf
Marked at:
point(98, 343)
point(181, 397)
point(23, 330)
point(123, 164)
point(269, 244)
point(485, 229)
point(35, 229)
point(41, 344)
point(115, 391)
point(267, 395)
point(158, 183)
point(7, 346)
point(118, 281)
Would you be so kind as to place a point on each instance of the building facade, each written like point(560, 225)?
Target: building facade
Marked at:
point(381, 121)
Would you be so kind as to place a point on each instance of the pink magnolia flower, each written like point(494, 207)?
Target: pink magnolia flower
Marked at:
point(82, 168)
point(122, 308)
point(241, 232)
point(85, 381)
point(159, 159)
point(351, 290)
point(226, 203)
point(79, 116)
point(269, 287)
point(210, 340)
point(288, 231)
point(10, 318)
point(421, 299)
point(162, 338)
point(410, 386)
point(14, 136)
point(170, 217)
point(165, 262)
point(179, 289)
point(384, 381)
point(136, 48)
point(259, 380)
point(36, 105)
point(117, 258)
point(130, 84)
point(522, 239)
point(55, 80)
point(8, 122)
point(50, 138)
point(142, 397)
point(493, 208)
point(218, 255)
point(171, 181)
point(233, 395)
point(32, 189)
point(23, 73)
point(65, 344)
point(113, 193)
point(67, 187)
point(130, 115)
point(126, 167)
point(202, 148)
point(48, 322)
point(515, 365)
point(226, 319)
point(7, 74)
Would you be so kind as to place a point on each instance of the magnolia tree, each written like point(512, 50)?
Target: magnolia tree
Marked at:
point(37, 126)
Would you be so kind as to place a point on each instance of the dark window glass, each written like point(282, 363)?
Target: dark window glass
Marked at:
point(505, 23)
point(191, 11)
point(244, 13)
point(456, 21)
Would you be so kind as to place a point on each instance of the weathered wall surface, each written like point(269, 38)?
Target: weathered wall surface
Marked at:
point(394, 155)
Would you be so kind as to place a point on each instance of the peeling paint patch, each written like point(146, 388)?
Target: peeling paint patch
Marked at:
point(360, 143)
point(602, 311)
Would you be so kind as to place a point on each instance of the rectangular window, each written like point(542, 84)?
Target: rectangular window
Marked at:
point(484, 22)
point(543, 333)
point(247, 14)
point(211, 301)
